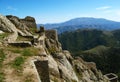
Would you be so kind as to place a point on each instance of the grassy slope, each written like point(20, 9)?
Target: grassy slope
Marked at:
point(107, 59)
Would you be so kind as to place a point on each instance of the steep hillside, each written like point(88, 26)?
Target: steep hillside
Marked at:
point(83, 23)
point(37, 56)
point(101, 47)
point(89, 38)
point(107, 59)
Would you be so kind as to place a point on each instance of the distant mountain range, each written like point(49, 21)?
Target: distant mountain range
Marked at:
point(84, 23)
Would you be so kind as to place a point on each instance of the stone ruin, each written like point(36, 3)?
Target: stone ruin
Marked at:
point(43, 70)
point(51, 34)
point(37, 40)
point(112, 77)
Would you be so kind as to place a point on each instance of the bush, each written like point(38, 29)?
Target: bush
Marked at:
point(17, 63)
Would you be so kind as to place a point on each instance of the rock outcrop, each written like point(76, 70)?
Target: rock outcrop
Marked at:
point(15, 27)
point(23, 25)
point(58, 65)
point(7, 26)
point(62, 66)
point(29, 22)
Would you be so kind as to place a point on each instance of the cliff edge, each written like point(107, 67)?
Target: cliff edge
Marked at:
point(28, 55)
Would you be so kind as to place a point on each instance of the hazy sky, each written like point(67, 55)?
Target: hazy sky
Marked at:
point(53, 11)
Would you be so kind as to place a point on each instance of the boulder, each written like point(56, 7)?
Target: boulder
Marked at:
point(22, 28)
point(51, 34)
point(15, 20)
point(7, 26)
point(29, 22)
point(1, 32)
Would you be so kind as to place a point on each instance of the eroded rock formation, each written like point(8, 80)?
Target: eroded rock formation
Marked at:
point(15, 26)
point(29, 22)
point(62, 67)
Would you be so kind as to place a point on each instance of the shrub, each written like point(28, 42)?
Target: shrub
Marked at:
point(17, 63)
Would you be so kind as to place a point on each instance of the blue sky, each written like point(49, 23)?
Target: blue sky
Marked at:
point(54, 11)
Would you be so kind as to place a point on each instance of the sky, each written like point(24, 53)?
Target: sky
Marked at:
point(55, 11)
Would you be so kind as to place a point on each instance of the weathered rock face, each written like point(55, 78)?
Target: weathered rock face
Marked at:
point(7, 26)
point(15, 26)
point(51, 41)
point(64, 68)
point(29, 22)
point(60, 66)
point(22, 27)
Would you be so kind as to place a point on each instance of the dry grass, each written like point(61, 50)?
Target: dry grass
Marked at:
point(29, 51)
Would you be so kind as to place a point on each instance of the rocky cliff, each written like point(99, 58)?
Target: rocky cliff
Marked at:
point(29, 56)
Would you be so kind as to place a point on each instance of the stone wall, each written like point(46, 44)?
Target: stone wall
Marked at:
point(43, 70)
point(112, 77)
point(51, 34)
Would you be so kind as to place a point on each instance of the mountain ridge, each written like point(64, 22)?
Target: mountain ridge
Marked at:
point(82, 23)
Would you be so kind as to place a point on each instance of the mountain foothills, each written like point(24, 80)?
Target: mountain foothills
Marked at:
point(82, 23)
point(93, 45)
point(31, 55)
point(89, 38)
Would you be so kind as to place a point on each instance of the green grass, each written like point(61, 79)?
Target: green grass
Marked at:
point(2, 57)
point(14, 49)
point(17, 63)
point(2, 77)
point(33, 30)
point(3, 35)
point(24, 53)
point(97, 49)
point(55, 79)
point(29, 78)
point(27, 52)
point(52, 50)
point(17, 51)
point(74, 81)
point(21, 38)
point(30, 51)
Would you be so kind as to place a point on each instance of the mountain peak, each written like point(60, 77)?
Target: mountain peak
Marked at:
point(84, 22)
